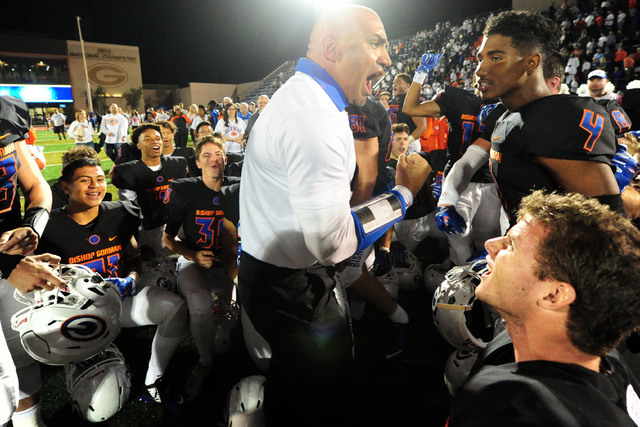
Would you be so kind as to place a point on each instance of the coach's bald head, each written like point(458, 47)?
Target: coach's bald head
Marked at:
point(349, 42)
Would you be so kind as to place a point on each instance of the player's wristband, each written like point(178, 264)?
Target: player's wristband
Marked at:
point(8, 263)
point(37, 219)
point(373, 217)
point(420, 77)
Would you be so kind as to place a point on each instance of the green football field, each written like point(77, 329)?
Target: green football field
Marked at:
point(53, 151)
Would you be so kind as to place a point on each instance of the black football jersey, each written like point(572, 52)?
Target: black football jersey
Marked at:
point(98, 245)
point(199, 210)
point(397, 116)
point(461, 109)
point(189, 154)
point(619, 118)
point(128, 153)
point(10, 215)
point(150, 186)
point(372, 121)
point(558, 126)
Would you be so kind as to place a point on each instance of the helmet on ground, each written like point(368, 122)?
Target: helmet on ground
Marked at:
point(434, 275)
point(409, 272)
point(245, 403)
point(160, 272)
point(99, 386)
point(460, 318)
point(458, 367)
point(69, 325)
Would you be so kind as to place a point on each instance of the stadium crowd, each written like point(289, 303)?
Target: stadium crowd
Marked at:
point(336, 214)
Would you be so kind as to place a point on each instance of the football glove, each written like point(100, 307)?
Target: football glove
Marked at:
point(427, 63)
point(449, 221)
point(436, 187)
point(126, 285)
point(626, 167)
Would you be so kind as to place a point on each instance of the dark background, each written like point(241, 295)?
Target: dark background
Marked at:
point(214, 41)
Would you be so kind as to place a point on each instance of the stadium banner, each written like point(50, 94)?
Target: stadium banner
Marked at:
point(116, 68)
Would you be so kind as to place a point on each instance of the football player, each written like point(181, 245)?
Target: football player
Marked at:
point(147, 180)
point(19, 238)
point(479, 204)
point(552, 142)
point(168, 149)
point(208, 251)
point(100, 235)
point(371, 129)
point(417, 125)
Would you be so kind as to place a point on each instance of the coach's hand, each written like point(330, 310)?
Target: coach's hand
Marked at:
point(412, 172)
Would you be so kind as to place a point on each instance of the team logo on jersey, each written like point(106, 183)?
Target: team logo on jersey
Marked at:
point(216, 201)
point(160, 179)
point(234, 134)
point(112, 121)
point(85, 327)
point(94, 239)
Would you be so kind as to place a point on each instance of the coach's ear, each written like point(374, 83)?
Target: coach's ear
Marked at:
point(331, 49)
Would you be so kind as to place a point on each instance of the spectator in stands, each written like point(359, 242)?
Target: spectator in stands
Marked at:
point(58, 120)
point(232, 128)
point(182, 121)
point(244, 113)
point(384, 99)
point(81, 130)
point(115, 126)
point(263, 100)
point(201, 116)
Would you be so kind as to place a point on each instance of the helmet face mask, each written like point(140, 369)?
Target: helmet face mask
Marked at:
point(99, 386)
point(69, 325)
point(460, 318)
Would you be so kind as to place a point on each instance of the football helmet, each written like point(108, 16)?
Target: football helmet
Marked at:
point(160, 272)
point(99, 386)
point(434, 275)
point(458, 316)
point(245, 403)
point(390, 282)
point(72, 324)
point(409, 272)
point(458, 367)
point(225, 322)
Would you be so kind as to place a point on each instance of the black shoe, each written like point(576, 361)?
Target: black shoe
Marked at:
point(160, 393)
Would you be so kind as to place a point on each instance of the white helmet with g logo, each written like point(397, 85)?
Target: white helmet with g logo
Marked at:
point(69, 325)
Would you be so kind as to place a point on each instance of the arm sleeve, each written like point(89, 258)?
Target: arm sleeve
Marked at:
point(461, 173)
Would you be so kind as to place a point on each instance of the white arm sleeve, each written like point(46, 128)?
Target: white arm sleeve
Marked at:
point(461, 173)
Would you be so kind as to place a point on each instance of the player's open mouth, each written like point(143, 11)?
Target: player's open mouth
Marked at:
point(483, 86)
point(93, 195)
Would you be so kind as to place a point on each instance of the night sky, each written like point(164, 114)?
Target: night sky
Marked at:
point(217, 41)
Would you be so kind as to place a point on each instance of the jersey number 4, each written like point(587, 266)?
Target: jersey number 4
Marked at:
point(593, 123)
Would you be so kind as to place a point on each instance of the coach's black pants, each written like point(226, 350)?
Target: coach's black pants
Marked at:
point(295, 310)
